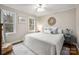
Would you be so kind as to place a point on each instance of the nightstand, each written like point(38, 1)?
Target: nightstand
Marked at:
point(70, 42)
point(73, 50)
point(70, 39)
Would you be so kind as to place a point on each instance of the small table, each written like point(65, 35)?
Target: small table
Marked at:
point(6, 48)
point(73, 50)
point(70, 39)
point(70, 42)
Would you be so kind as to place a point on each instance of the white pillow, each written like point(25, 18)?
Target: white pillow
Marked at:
point(59, 31)
point(46, 30)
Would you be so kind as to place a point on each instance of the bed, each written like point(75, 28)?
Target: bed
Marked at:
point(44, 43)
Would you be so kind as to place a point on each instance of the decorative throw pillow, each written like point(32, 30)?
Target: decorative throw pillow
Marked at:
point(54, 30)
point(51, 32)
point(60, 31)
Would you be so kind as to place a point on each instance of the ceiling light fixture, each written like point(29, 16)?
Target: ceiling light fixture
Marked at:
point(40, 7)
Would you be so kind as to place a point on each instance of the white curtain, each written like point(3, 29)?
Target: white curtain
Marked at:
point(3, 40)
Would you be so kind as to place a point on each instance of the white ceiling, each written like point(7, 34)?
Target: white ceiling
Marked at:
point(50, 8)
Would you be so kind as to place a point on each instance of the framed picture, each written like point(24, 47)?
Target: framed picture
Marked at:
point(51, 21)
point(22, 20)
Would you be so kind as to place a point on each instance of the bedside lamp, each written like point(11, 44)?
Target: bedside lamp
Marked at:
point(39, 28)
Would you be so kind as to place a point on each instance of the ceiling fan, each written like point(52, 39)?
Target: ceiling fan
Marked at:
point(40, 7)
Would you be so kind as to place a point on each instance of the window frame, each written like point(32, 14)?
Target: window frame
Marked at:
point(32, 24)
point(14, 23)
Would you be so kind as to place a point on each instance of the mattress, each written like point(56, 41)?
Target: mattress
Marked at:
point(44, 43)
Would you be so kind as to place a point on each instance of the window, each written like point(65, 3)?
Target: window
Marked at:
point(9, 21)
point(31, 24)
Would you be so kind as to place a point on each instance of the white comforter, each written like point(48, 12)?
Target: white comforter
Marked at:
point(44, 44)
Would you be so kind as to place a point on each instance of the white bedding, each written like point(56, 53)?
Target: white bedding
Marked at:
point(44, 44)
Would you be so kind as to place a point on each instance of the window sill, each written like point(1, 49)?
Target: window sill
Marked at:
point(10, 33)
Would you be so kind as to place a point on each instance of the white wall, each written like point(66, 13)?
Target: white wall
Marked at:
point(64, 19)
point(21, 28)
point(77, 23)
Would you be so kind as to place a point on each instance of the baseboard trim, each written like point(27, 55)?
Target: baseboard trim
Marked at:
point(17, 42)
